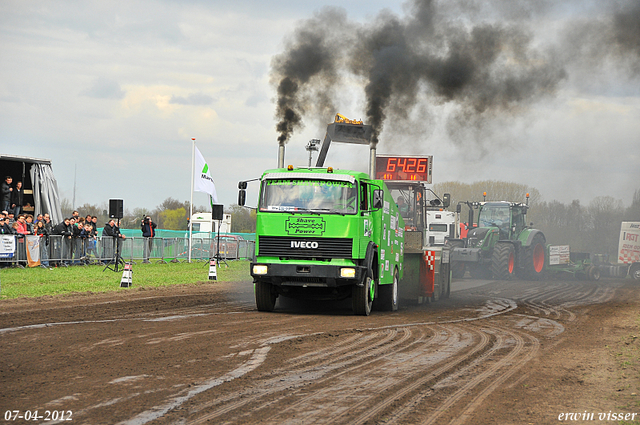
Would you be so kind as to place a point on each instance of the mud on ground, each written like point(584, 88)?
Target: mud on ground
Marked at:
point(497, 353)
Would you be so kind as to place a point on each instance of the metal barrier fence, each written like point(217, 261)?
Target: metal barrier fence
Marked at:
point(18, 250)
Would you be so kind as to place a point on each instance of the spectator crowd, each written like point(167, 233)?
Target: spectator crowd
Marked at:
point(75, 238)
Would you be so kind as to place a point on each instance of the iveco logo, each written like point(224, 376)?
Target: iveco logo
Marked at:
point(302, 244)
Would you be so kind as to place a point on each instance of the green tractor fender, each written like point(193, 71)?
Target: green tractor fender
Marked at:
point(527, 236)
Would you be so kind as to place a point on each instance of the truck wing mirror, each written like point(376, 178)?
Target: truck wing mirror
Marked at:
point(446, 200)
point(242, 197)
point(242, 185)
point(378, 198)
point(459, 208)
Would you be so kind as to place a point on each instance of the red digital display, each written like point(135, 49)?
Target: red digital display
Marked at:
point(404, 168)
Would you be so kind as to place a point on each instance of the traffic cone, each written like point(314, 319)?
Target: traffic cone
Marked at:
point(127, 276)
point(213, 274)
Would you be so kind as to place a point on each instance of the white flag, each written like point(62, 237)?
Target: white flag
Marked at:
point(202, 181)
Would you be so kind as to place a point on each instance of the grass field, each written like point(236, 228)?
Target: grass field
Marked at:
point(37, 282)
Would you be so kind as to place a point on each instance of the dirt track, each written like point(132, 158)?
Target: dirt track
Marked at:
point(503, 353)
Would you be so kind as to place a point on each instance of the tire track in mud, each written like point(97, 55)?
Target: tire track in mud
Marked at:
point(389, 369)
point(497, 373)
point(315, 368)
point(368, 374)
point(408, 384)
point(490, 367)
point(557, 300)
point(493, 308)
point(353, 350)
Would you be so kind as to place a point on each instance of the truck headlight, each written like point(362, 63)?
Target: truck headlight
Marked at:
point(260, 269)
point(348, 272)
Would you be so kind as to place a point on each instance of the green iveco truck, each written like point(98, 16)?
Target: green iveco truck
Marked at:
point(327, 234)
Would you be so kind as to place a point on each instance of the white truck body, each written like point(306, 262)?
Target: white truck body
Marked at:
point(202, 223)
point(629, 247)
point(440, 224)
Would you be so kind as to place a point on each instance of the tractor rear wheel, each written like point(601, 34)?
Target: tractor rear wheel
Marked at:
point(534, 258)
point(503, 261)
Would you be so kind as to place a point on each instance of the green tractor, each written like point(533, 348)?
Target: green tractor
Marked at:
point(501, 245)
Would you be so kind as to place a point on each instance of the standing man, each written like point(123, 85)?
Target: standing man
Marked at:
point(16, 199)
point(111, 231)
point(6, 193)
point(148, 228)
point(65, 232)
point(47, 223)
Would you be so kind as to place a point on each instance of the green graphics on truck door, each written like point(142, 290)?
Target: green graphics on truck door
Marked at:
point(391, 237)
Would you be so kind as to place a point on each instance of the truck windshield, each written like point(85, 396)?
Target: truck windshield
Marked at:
point(438, 228)
point(322, 196)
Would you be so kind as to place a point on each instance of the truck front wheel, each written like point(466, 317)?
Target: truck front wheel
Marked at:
point(362, 296)
point(265, 297)
point(634, 271)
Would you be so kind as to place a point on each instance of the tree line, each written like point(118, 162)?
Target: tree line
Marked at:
point(171, 214)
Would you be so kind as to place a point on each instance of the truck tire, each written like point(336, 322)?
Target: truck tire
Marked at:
point(447, 290)
point(534, 258)
point(362, 296)
point(265, 297)
point(593, 273)
point(503, 261)
point(436, 294)
point(388, 295)
point(634, 271)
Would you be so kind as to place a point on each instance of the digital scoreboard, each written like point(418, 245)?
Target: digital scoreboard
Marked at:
point(404, 168)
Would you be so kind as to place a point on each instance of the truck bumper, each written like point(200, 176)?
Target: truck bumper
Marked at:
point(307, 275)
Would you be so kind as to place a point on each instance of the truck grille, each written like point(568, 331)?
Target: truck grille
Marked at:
point(282, 246)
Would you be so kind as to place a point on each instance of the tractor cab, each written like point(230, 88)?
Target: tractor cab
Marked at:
point(508, 217)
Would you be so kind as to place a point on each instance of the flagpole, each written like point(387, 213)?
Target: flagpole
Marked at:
point(193, 166)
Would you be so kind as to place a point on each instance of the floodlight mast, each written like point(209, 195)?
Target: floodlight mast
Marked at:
point(311, 147)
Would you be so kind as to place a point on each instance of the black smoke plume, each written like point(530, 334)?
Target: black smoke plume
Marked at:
point(481, 58)
point(307, 72)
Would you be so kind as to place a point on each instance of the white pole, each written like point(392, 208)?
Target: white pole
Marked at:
point(193, 166)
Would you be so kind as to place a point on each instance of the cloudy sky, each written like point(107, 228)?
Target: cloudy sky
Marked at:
point(114, 91)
